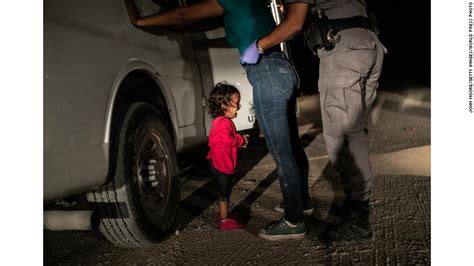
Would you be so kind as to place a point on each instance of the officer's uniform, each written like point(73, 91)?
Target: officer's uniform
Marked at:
point(348, 80)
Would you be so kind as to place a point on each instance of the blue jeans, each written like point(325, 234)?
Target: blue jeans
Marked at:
point(274, 83)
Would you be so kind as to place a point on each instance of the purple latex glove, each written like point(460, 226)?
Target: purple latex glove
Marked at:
point(250, 55)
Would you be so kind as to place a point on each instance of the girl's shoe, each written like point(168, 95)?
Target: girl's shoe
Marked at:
point(229, 225)
point(230, 215)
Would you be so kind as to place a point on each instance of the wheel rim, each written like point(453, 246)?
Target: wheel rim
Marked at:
point(153, 172)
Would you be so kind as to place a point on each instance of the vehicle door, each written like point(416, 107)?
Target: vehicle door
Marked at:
point(184, 78)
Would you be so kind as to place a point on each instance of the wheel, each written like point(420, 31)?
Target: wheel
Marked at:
point(138, 206)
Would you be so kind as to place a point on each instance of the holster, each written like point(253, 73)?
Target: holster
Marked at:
point(311, 34)
point(316, 31)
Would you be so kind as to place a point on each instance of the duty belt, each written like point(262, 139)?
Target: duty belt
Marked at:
point(349, 23)
point(322, 32)
point(337, 25)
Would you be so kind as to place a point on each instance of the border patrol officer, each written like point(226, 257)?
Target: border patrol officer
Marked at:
point(351, 58)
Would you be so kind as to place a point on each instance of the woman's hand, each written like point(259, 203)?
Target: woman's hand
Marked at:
point(250, 54)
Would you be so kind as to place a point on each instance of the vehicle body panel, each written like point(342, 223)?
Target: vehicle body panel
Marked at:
point(87, 54)
point(220, 63)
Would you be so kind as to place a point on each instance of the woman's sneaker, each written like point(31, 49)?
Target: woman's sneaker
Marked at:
point(307, 210)
point(282, 229)
point(229, 225)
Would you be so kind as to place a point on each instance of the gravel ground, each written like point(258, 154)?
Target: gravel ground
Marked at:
point(400, 153)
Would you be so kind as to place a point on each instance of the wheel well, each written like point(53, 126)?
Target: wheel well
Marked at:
point(137, 86)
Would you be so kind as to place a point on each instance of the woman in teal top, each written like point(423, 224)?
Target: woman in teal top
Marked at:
point(240, 28)
point(274, 82)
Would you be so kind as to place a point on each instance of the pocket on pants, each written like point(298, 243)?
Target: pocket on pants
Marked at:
point(348, 108)
point(282, 77)
point(356, 58)
point(249, 71)
point(334, 104)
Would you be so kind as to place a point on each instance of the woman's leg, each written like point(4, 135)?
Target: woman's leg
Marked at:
point(274, 82)
point(298, 150)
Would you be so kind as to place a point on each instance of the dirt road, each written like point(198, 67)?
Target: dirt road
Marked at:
point(400, 153)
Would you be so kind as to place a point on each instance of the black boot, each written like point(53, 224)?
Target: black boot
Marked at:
point(354, 227)
point(345, 212)
point(342, 212)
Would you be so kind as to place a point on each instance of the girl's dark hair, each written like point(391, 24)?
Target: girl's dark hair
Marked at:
point(220, 98)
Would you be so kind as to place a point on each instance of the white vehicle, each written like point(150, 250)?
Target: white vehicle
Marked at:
point(119, 104)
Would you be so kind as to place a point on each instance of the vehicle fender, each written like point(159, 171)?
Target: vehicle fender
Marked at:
point(146, 67)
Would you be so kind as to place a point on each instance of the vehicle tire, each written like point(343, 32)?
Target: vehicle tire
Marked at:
point(138, 206)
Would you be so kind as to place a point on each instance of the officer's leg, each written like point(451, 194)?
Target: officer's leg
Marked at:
point(352, 158)
point(344, 126)
point(332, 112)
point(358, 169)
point(359, 100)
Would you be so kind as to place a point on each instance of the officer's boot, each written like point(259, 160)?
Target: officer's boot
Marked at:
point(354, 227)
point(341, 212)
point(346, 207)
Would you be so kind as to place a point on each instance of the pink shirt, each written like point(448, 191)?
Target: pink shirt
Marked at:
point(223, 143)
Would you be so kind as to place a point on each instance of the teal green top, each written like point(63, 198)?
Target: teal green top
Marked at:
point(246, 21)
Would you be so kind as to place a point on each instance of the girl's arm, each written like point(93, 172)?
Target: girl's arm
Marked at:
point(240, 140)
point(226, 136)
point(178, 16)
